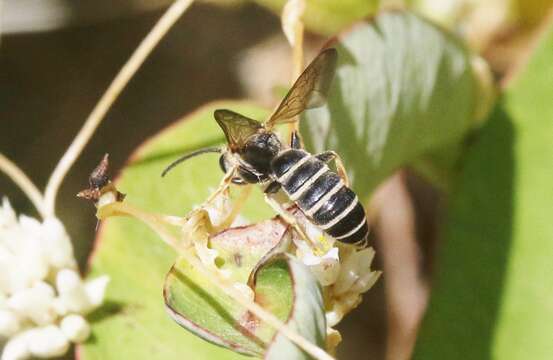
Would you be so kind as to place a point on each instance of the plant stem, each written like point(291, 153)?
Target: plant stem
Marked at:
point(128, 70)
point(237, 207)
point(154, 221)
point(297, 59)
point(24, 183)
point(297, 51)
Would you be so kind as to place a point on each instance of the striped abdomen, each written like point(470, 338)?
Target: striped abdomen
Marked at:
point(321, 195)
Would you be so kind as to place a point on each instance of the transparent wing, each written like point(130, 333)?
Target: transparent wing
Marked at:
point(237, 128)
point(309, 90)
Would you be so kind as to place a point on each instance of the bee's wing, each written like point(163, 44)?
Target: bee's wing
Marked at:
point(237, 128)
point(309, 90)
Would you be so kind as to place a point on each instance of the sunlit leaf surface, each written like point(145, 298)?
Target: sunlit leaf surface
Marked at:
point(403, 88)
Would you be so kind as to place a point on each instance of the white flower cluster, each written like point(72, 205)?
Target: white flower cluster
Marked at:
point(344, 273)
point(43, 299)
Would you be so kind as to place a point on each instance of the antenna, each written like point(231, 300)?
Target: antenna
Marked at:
point(190, 155)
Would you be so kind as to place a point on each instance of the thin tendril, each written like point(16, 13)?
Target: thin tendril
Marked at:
point(24, 183)
point(128, 70)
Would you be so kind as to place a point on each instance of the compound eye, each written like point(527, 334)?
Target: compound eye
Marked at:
point(223, 163)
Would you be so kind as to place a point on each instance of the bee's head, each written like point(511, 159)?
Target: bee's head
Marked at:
point(260, 149)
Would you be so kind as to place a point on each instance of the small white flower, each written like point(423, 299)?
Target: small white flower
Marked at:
point(34, 303)
point(356, 265)
point(71, 291)
point(59, 250)
point(77, 296)
point(7, 214)
point(48, 341)
point(325, 267)
point(9, 323)
point(22, 259)
point(75, 328)
point(96, 290)
point(17, 348)
point(7, 265)
point(355, 278)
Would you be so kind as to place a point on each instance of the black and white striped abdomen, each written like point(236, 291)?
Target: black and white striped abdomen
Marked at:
point(321, 195)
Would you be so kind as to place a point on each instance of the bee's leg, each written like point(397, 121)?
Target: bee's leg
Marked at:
point(272, 188)
point(295, 140)
point(223, 185)
point(290, 219)
point(237, 206)
point(328, 156)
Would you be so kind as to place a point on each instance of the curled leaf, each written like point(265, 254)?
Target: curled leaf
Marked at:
point(250, 255)
point(201, 307)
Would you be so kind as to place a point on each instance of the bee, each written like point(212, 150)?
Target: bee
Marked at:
point(255, 155)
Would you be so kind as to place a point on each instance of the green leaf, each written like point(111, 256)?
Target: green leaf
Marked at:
point(492, 295)
point(133, 323)
point(307, 315)
point(403, 88)
point(329, 16)
point(283, 286)
point(201, 307)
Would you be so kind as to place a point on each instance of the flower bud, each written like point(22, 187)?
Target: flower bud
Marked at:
point(72, 292)
point(7, 261)
point(7, 214)
point(332, 318)
point(48, 341)
point(75, 328)
point(59, 250)
point(96, 289)
point(9, 323)
point(35, 303)
point(17, 348)
point(349, 272)
point(22, 260)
